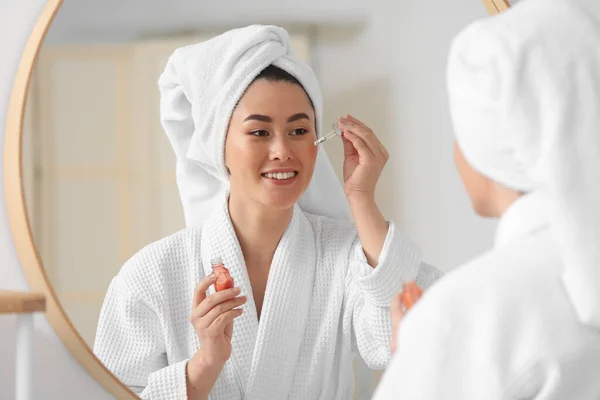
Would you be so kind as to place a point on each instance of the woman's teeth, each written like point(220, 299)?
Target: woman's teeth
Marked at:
point(280, 175)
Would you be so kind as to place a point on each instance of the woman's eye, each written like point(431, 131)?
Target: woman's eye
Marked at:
point(299, 131)
point(260, 133)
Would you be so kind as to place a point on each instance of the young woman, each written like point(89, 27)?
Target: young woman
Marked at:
point(521, 321)
point(310, 291)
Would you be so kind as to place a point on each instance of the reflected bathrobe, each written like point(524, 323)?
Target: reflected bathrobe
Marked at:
point(323, 304)
point(500, 327)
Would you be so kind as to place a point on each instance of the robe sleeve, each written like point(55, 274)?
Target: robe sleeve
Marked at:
point(369, 291)
point(130, 343)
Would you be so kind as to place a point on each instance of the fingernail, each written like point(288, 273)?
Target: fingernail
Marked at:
point(212, 276)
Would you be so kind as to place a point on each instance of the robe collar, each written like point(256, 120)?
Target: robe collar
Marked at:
point(264, 355)
point(527, 215)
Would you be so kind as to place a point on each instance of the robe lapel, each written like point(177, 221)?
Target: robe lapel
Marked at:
point(219, 240)
point(284, 312)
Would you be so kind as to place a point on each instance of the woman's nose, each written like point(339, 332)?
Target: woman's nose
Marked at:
point(281, 149)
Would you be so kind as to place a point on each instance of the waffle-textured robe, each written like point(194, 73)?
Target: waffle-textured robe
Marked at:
point(323, 304)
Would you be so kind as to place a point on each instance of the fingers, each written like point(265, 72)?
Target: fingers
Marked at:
point(373, 149)
point(359, 129)
point(201, 288)
point(411, 294)
point(404, 300)
point(359, 145)
point(364, 126)
point(222, 321)
point(349, 149)
point(351, 131)
point(357, 122)
point(221, 309)
point(214, 299)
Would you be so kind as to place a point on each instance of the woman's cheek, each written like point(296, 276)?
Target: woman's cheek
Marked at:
point(312, 158)
point(313, 150)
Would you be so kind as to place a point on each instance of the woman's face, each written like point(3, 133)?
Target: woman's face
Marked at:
point(269, 148)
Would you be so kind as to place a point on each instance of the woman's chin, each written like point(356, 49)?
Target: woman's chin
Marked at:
point(280, 203)
point(482, 208)
point(281, 199)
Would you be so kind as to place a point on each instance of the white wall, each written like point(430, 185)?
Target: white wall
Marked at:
point(396, 62)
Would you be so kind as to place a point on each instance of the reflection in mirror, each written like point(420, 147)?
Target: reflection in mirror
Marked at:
point(100, 186)
point(98, 170)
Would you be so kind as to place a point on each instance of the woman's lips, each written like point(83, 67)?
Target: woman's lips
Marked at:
point(281, 178)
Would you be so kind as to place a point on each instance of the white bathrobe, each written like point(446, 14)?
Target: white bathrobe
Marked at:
point(499, 327)
point(323, 303)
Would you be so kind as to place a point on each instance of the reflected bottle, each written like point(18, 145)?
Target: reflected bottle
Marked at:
point(224, 280)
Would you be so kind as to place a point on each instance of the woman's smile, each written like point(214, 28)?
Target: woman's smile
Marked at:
point(280, 177)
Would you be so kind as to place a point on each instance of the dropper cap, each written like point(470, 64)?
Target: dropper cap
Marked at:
point(335, 132)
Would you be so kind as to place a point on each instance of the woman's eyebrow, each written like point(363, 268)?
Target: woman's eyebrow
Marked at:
point(298, 116)
point(266, 118)
point(258, 117)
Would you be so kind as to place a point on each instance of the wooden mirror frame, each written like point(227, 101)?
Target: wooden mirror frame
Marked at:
point(18, 217)
point(28, 254)
point(494, 7)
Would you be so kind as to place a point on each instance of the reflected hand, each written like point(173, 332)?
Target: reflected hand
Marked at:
point(212, 318)
point(401, 303)
point(364, 158)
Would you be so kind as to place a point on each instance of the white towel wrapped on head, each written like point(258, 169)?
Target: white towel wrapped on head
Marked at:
point(200, 87)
